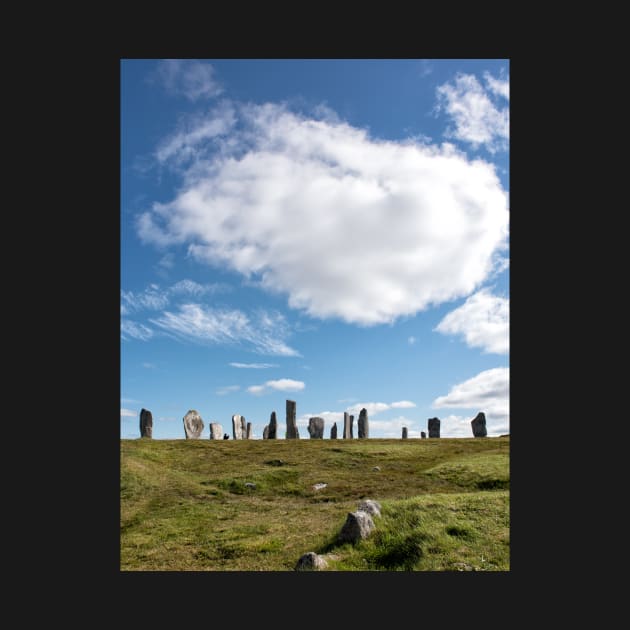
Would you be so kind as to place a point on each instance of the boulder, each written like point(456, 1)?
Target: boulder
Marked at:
point(193, 425)
point(311, 562)
point(358, 525)
point(373, 508)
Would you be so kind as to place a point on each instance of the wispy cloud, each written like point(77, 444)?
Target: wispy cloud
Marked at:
point(247, 197)
point(190, 78)
point(373, 408)
point(411, 340)
point(264, 332)
point(155, 298)
point(149, 366)
point(253, 366)
point(228, 389)
point(488, 391)
point(134, 330)
point(402, 404)
point(426, 68)
point(477, 118)
point(483, 320)
point(281, 385)
point(127, 413)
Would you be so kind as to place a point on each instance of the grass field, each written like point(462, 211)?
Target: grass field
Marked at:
point(185, 505)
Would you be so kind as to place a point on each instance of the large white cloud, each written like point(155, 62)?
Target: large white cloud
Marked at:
point(478, 120)
point(346, 226)
point(483, 320)
point(488, 391)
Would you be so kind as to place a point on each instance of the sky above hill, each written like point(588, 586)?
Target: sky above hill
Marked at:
point(334, 232)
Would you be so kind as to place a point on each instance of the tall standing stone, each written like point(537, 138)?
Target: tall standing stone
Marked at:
point(292, 430)
point(146, 423)
point(266, 432)
point(423, 435)
point(237, 427)
point(249, 431)
point(333, 432)
point(478, 424)
point(216, 431)
point(404, 433)
point(316, 428)
point(273, 426)
point(351, 427)
point(364, 427)
point(434, 427)
point(193, 425)
point(243, 428)
point(347, 428)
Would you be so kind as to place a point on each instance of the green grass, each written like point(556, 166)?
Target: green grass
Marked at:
point(185, 504)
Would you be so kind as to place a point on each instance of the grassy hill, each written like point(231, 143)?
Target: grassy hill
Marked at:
point(185, 505)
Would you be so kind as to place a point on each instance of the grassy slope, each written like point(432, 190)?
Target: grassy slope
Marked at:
point(185, 506)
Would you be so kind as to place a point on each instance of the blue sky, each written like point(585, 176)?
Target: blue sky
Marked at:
point(333, 232)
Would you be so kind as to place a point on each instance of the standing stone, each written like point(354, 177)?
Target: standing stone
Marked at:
point(193, 425)
point(333, 432)
point(249, 431)
point(434, 427)
point(243, 428)
point(266, 432)
point(216, 431)
point(351, 427)
point(423, 435)
point(478, 424)
point(237, 427)
point(292, 430)
point(404, 433)
point(316, 428)
point(146, 423)
point(347, 428)
point(364, 427)
point(273, 426)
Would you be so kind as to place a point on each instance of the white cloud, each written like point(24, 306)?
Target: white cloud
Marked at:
point(393, 428)
point(253, 366)
point(483, 320)
point(403, 404)
point(477, 119)
point(282, 385)
point(149, 366)
point(280, 196)
point(426, 68)
point(488, 391)
point(190, 78)
point(411, 340)
point(155, 298)
point(167, 261)
point(497, 86)
point(195, 322)
point(133, 330)
point(222, 391)
point(127, 413)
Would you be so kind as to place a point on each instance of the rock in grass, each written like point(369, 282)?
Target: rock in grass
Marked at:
point(376, 468)
point(249, 484)
point(478, 424)
point(358, 526)
point(311, 562)
point(371, 507)
point(193, 425)
point(320, 486)
point(146, 423)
